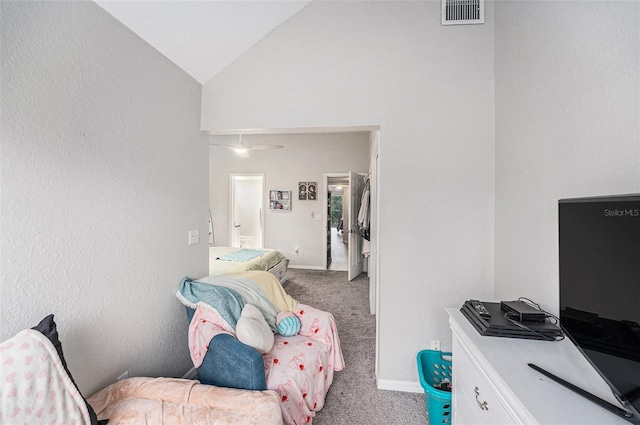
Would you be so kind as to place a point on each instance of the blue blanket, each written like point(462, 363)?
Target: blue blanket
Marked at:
point(242, 255)
point(226, 301)
point(249, 290)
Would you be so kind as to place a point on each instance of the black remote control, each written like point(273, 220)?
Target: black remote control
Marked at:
point(480, 309)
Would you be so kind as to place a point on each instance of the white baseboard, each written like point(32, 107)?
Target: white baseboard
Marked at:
point(404, 386)
point(191, 374)
point(306, 267)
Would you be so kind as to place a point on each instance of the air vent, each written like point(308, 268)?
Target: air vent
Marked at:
point(461, 12)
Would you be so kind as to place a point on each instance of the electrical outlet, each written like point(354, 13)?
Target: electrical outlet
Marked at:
point(435, 345)
point(125, 375)
point(194, 237)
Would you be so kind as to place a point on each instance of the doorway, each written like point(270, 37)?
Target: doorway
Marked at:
point(246, 210)
point(372, 263)
point(338, 237)
point(352, 185)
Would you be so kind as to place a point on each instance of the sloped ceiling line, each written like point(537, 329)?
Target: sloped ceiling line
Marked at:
point(202, 37)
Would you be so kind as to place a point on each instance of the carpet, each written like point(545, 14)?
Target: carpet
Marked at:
point(353, 397)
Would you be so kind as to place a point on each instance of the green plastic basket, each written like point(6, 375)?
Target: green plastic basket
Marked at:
point(433, 369)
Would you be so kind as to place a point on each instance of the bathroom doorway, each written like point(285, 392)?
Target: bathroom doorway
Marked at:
point(246, 210)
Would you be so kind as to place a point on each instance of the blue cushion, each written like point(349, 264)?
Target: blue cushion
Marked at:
point(232, 364)
point(289, 326)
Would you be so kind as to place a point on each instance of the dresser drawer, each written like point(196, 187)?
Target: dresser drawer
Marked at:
point(462, 409)
point(469, 383)
point(279, 270)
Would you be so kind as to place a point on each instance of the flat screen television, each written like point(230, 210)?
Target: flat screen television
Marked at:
point(599, 250)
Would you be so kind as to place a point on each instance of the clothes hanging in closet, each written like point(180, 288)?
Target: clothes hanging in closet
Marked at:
point(364, 213)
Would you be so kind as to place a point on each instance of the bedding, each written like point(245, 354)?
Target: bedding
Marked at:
point(210, 290)
point(36, 388)
point(242, 255)
point(300, 367)
point(263, 261)
point(182, 401)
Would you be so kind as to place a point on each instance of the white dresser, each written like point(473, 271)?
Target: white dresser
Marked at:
point(492, 383)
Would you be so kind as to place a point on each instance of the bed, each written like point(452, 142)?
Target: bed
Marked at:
point(225, 260)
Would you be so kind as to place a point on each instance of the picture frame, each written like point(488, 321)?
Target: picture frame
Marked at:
point(312, 191)
point(280, 200)
point(302, 191)
point(307, 191)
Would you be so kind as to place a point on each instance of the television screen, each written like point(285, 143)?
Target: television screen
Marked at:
point(600, 287)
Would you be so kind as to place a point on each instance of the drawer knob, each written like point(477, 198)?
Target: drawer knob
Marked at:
point(483, 405)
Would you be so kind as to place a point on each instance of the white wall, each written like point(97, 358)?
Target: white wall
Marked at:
point(430, 88)
point(567, 125)
point(304, 158)
point(104, 171)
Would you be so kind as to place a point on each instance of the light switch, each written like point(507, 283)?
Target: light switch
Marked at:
point(194, 237)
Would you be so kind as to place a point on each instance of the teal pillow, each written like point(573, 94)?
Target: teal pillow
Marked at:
point(287, 324)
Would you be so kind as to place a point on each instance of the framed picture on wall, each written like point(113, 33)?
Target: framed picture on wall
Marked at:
point(280, 200)
point(312, 191)
point(302, 191)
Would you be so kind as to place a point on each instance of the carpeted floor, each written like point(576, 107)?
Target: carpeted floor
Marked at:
point(353, 397)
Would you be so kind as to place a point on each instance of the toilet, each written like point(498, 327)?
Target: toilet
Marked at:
point(246, 241)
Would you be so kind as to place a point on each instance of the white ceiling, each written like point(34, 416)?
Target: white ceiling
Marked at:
point(202, 37)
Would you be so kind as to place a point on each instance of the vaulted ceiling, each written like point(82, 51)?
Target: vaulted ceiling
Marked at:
point(202, 37)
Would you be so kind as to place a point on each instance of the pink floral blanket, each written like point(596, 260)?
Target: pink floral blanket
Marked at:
point(300, 368)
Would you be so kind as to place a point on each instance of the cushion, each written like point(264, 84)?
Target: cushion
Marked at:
point(230, 363)
point(252, 329)
point(287, 323)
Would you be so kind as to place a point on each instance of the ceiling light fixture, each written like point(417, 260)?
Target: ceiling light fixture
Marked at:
point(243, 150)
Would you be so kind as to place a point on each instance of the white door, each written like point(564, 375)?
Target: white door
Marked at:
point(246, 215)
point(356, 259)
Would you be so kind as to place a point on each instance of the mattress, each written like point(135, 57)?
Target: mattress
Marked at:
point(272, 261)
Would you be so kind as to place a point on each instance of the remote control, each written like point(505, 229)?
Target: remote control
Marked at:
point(480, 309)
